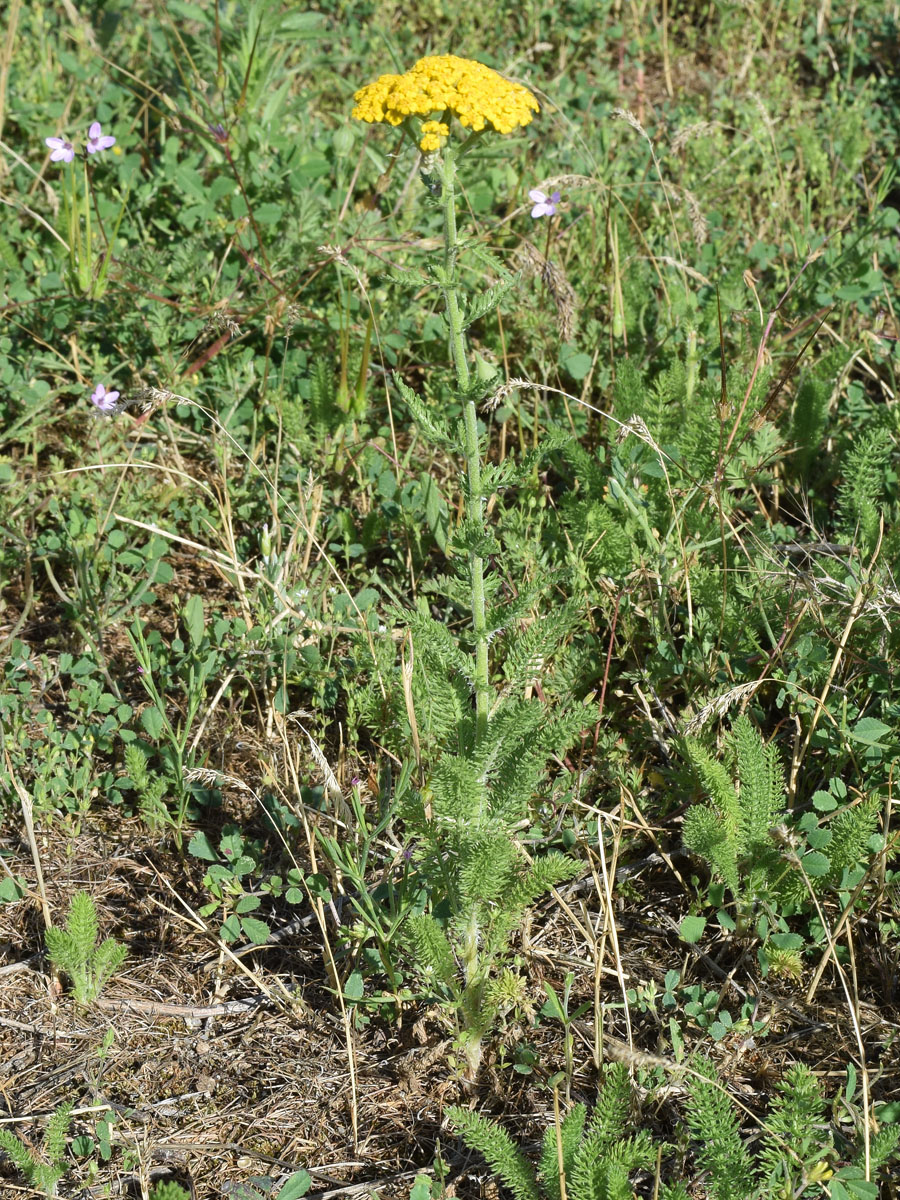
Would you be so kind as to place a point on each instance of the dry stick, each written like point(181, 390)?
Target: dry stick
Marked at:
point(651, 834)
point(316, 495)
point(27, 605)
point(865, 1073)
point(406, 675)
point(27, 813)
point(226, 565)
point(301, 519)
point(855, 610)
point(227, 532)
point(656, 1181)
point(138, 466)
point(599, 949)
point(189, 1012)
point(611, 922)
point(230, 559)
point(667, 64)
point(340, 259)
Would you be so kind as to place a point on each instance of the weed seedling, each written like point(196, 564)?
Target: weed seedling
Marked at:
point(74, 950)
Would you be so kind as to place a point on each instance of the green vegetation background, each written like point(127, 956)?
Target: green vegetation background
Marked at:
point(709, 326)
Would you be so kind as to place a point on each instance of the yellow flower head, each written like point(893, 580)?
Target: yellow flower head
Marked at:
point(443, 83)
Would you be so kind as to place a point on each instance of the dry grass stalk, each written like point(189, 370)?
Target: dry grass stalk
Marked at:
point(719, 705)
point(531, 262)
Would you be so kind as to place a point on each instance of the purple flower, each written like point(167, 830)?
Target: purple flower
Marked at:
point(219, 132)
point(60, 149)
point(98, 140)
point(105, 401)
point(544, 206)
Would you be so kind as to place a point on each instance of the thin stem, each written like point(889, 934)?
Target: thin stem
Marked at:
point(474, 497)
point(85, 248)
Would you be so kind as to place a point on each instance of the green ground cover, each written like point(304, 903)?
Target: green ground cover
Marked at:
point(449, 608)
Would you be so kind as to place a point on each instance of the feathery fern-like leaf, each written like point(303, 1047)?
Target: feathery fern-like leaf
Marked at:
point(863, 486)
point(545, 872)
point(761, 781)
point(794, 1125)
point(704, 833)
point(432, 950)
point(81, 924)
point(713, 1121)
point(529, 650)
point(458, 791)
point(56, 1132)
point(719, 788)
point(439, 434)
point(21, 1156)
point(882, 1147)
point(571, 1129)
point(596, 1174)
point(674, 1191)
point(136, 766)
point(40, 1175)
point(811, 414)
point(487, 301)
point(498, 1149)
point(62, 950)
point(486, 864)
point(850, 834)
point(609, 1119)
point(433, 639)
point(107, 959)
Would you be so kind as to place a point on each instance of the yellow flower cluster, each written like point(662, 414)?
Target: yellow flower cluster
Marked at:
point(444, 83)
point(434, 134)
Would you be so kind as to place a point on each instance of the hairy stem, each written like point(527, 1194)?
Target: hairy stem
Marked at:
point(474, 497)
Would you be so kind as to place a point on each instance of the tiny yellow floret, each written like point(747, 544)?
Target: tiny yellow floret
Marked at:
point(434, 134)
point(444, 83)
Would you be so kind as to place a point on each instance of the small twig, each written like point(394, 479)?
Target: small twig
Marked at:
point(189, 1012)
point(28, 816)
point(9, 1023)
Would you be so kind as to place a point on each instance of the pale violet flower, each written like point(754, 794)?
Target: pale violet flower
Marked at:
point(60, 149)
point(103, 400)
point(97, 140)
point(544, 206)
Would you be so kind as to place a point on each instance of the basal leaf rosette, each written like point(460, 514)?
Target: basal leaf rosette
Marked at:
point(444, 84)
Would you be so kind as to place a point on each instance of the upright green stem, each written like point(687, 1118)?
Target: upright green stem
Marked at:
point(85, 248)
point(474, 497)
